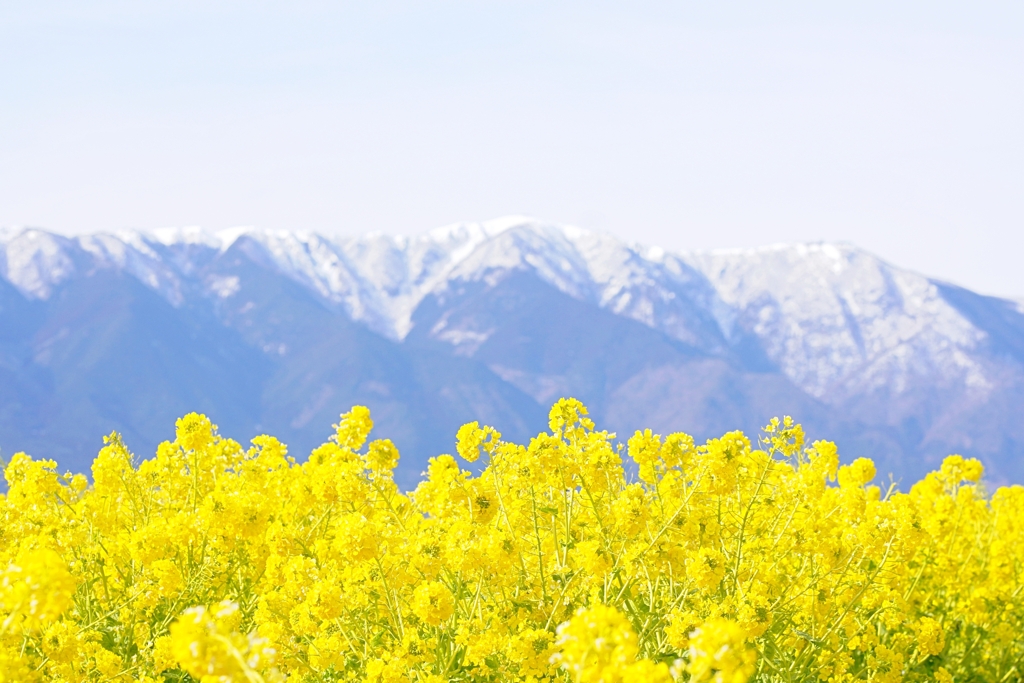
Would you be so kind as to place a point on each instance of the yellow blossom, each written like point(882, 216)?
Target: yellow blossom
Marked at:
point(731, 560)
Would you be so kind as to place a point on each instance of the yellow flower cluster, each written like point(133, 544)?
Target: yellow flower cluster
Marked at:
point(726, 562)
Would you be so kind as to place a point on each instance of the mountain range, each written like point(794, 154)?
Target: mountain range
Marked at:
point(279, 332)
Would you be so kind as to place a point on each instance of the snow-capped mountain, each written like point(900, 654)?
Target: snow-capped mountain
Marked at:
point(517, 311)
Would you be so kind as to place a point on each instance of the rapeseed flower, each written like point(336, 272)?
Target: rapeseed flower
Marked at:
point(735, 560)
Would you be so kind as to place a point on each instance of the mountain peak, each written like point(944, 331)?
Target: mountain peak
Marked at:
point(830, 314)
point(843, 329)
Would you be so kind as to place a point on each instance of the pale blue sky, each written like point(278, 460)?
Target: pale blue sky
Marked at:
point(896, 126)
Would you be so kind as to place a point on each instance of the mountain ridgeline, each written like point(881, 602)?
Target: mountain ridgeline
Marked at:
point(279, 332)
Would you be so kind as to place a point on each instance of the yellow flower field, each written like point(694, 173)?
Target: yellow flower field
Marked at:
point(730, 561)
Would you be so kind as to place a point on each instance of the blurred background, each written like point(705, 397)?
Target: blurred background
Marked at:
point(896, 126)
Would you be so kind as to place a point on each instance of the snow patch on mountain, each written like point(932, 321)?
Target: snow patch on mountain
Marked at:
point(35, 261)
point(189, 235)
point(129, 252)
point(381, 279)
point(837, 319)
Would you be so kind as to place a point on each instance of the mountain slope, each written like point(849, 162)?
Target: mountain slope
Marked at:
point(281, 331)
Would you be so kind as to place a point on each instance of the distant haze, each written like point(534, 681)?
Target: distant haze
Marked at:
point(895, 126)
point(280, 332)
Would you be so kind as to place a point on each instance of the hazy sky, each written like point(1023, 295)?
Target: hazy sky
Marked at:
point(896, 126)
